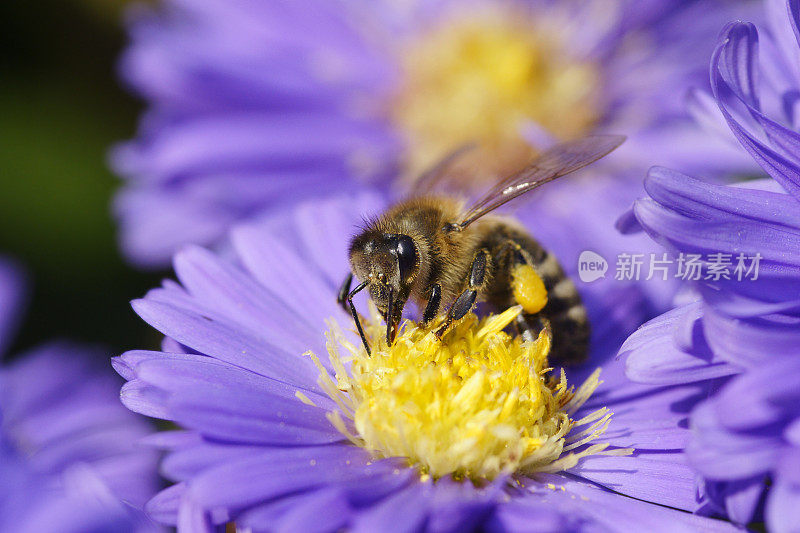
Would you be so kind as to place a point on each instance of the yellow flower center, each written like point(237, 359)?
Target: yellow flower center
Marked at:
point(479, 78)
point(477, 404)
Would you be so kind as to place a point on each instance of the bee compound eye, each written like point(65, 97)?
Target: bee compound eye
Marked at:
point(406, 253)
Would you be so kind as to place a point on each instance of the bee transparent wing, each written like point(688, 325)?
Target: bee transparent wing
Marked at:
point(432, 178)
point(558, 161)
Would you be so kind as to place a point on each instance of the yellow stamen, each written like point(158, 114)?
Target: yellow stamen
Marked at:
point(477, 404)
point(480, 77)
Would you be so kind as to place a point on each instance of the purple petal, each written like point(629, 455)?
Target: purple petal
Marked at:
point(719, 455)
point(742, 498)
point(325, 228)
point(701, 200)
point(745, 403)
point(283, 272)
point(618, 513)
point(648, 420)
point(316, 512)
point(251, 140)
point(737, 61)
point(278, 472)
point(143, 214)
point(528, 515)
point(231, 293)
point(404, 512)
point(192, 517)
point(163, 507)
point(655, 356)
point(779, 267)
point(783, 507)
point(732, 69)
point(145, 399)
point(228, 341)
point(751, 342)
point(456, 506)
point(788, 468)
point(240, 418)
point(665, 478)
point(189, 373)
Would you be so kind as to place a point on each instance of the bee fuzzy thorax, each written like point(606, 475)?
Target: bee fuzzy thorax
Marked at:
point(474, 405)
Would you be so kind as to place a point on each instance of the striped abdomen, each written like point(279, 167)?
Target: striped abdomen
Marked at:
point(510, 246)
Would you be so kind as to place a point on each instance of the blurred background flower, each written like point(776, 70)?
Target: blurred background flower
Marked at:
point(71, 459)
point(741, 336)
point(252, 105)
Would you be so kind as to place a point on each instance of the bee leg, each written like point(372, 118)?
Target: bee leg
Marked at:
point(458, 310)
point(344, 290)
point(529, 327)
point(390, 329)
point(432, 309)
point(466, 300)
point(355, 314)
point(527, 290)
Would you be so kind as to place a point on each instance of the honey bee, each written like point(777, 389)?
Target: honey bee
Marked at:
point(429, 249)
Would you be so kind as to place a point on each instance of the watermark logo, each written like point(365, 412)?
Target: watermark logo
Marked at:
point(591, 266)
point(713, 267)
point(687, 267)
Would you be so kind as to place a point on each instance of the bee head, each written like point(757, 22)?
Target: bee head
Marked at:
point(389, 261)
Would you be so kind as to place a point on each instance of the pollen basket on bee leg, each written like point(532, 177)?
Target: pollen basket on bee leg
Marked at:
point(528, 289)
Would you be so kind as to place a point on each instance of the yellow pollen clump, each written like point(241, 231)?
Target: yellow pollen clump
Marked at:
point(480, 77)
point(477, 404)
point(528, 288)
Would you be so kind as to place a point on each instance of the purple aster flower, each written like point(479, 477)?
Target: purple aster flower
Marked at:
point(287, 428)
point(741, 337)
point(253, 105)
point(69, 454)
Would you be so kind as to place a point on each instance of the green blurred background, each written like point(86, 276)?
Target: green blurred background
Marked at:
point(61, 107)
